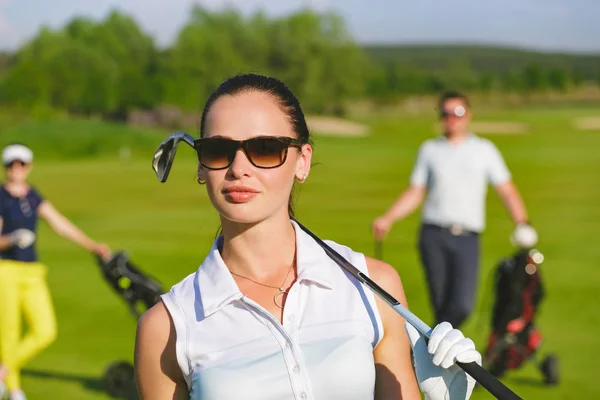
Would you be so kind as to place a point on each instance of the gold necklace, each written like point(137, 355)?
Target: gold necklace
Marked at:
point(280, 292)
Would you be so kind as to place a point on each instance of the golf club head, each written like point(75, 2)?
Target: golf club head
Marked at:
point(163, 158)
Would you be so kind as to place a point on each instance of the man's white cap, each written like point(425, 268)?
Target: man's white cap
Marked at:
point(17, 152)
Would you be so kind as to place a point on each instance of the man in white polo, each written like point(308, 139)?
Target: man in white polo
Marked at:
point(452, 172)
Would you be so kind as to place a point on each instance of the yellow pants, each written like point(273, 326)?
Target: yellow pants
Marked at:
point(23, 293)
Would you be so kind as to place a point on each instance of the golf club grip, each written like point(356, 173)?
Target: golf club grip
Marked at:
point(483, 377)
point(488, 381)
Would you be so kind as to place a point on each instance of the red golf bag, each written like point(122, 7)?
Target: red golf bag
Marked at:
point(514, 337)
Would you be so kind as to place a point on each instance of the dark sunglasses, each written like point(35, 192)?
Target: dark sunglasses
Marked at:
point(219, 152)
point(12, 163)
point(458, 111)
point(263, 151)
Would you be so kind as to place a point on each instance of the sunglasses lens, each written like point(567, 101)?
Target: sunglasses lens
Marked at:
point(13, 163)
point(217, 153)
point(263, 152)
point(267, 152)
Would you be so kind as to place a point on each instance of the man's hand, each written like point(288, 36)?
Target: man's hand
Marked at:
point(22, 238)
point(381, 227)
point(524, 236)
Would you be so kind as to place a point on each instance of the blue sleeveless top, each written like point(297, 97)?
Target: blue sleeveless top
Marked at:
point(19, 213)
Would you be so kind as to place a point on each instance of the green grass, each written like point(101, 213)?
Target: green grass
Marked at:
point(168, 228)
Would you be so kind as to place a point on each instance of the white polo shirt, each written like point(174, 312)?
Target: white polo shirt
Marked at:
point(229, 347)
point(456, 176)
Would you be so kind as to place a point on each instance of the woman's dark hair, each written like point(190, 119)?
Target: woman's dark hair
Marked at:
point(265, 84)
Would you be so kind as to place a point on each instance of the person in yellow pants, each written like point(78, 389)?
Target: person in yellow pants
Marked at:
point(23, 287)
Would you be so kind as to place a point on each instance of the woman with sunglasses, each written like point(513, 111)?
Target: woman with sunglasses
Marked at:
point(268, 315)
point(23, 288)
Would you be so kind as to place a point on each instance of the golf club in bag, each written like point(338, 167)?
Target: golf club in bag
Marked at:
point(161, 164)
point(140, 292)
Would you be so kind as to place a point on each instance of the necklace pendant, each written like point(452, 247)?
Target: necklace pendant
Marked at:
point(278, 298)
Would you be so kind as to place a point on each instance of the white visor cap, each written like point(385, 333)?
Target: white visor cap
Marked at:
point(17, 152)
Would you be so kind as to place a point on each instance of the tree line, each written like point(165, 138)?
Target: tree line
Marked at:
point(111, 67)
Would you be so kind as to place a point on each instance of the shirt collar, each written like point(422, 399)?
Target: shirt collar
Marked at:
point(469, 136)
point(216, 285)
point(312, 262)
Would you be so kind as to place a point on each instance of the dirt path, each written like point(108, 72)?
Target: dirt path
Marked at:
point(330, 126)
point(587, 123)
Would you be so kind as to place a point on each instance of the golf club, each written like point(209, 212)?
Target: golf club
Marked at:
point(162, 162)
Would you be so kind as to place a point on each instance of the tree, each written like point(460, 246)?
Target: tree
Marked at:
point(558, 79)
point(534, 78)
point(83, 80)
point(486, 81)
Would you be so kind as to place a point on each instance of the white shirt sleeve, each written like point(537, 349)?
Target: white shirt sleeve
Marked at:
point(497, 171)
point(420, 170)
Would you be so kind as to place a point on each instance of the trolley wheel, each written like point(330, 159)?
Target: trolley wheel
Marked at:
point(549, 368)
point(119, 380)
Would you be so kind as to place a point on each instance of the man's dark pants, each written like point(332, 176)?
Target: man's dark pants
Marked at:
point(451, 262)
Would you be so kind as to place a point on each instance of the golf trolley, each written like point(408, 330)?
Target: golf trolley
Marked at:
point(140, 292)
point(514, 338)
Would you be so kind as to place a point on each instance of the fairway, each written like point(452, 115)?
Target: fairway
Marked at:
point(168, 229)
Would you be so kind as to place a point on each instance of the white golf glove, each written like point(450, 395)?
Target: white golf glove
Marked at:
point(22, 238)
point(438, 376)
point(524, 236)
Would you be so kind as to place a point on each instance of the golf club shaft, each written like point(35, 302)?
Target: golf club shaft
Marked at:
point(379, 249)
point(483, 377)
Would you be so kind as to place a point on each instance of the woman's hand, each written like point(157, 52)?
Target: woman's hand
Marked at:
point(102, 250)
point(22, 238)
point(439, 378)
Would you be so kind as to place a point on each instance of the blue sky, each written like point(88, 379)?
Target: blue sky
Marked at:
point(570, 25)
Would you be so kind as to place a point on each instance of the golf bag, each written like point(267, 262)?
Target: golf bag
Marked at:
point(514, 337)
point(140, 292)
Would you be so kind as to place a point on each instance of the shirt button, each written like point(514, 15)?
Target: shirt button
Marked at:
point(296, 368)
point(287, 345)
point(303, 395)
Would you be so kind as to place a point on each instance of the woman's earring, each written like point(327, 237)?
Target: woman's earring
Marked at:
point(303, 179)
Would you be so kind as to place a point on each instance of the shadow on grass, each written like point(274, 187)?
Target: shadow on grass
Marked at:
point(89, 382)
point(93, 383)
point(525, 381)
point(512, 382)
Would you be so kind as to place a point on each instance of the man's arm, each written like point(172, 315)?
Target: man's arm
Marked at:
point(509, 194)
point(500, 177)
point(405, 204)
point(409, 199)
point(65, 228)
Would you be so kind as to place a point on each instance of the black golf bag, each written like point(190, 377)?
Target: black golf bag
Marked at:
point(514, 337)
point(140, 292)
